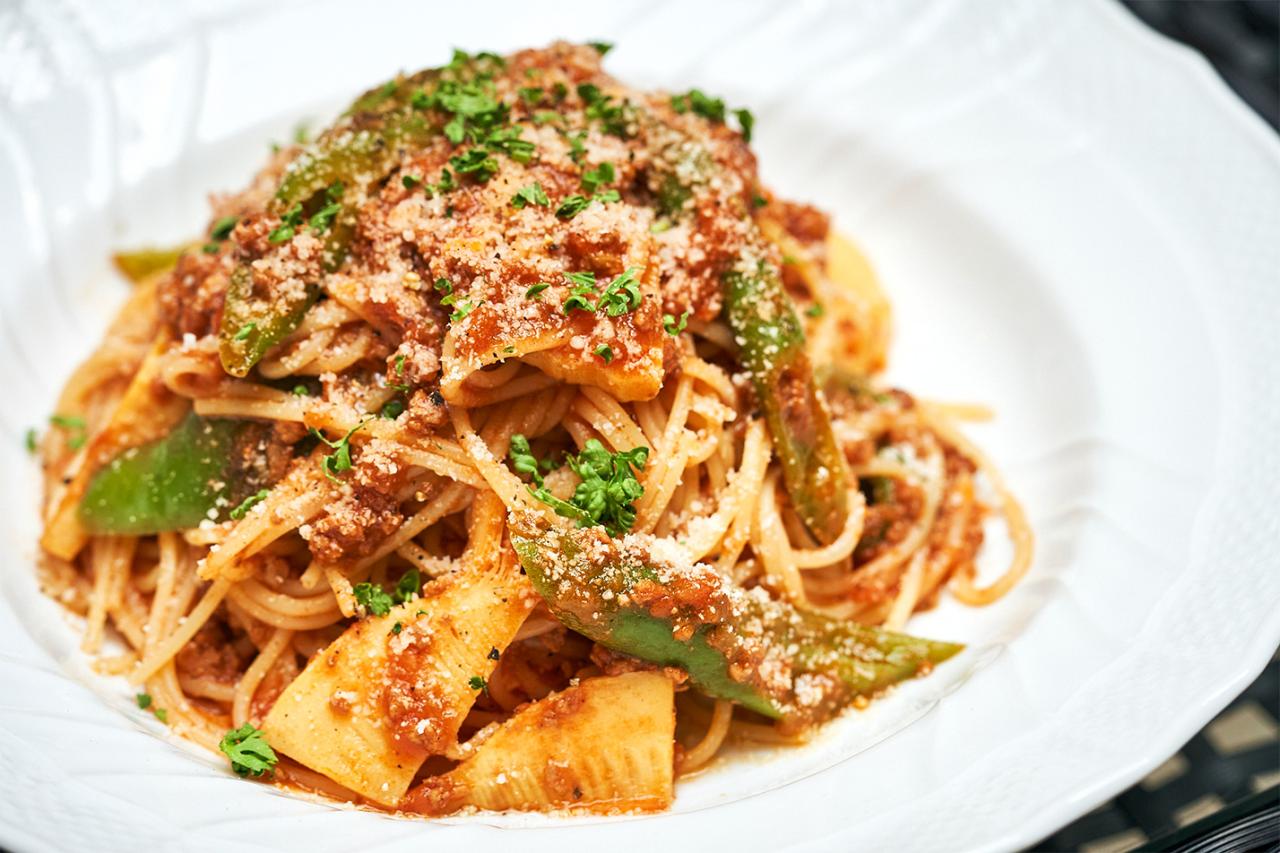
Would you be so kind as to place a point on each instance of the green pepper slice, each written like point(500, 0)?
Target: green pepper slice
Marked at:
point(766, 655)
point(172, 483)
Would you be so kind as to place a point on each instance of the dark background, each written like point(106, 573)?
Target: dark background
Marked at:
point(1237, 36)
point(1221, 787)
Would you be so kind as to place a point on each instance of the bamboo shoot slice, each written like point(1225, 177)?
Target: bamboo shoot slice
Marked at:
point(605, 745)
point(333, 718)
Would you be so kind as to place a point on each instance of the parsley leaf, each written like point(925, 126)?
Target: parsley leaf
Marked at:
point(392, 409)
point(223, 227)
point(622, 294)
point(746, 121)
point(162, 714)
point(143, 700)
point(699, 103)
point(593, 179)
point(572, 206)
point(602, 47)
point(249, 503)
point(476, 162)
point(607, 493)
point(373, 598)
point(244, 331)
point(532, 292)
point(530, 194)
point(397, 628)
point(248, 750)
point(340, 459)
point(674, 327)
point(605, 352)
point(288, 223)
point(408, 586)
point(32, 440)
point(77, 429)
point(476, 682)
point(410, 181)
point(815, 310)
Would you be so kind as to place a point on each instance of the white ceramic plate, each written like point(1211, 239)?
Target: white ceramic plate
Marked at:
point(1075, 220)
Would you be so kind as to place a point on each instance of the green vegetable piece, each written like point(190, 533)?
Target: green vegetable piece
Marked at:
point(252, 325)
point(248, 750)
point(140, 264)
point(772, 349)
point(168, 484)
point(733, 643)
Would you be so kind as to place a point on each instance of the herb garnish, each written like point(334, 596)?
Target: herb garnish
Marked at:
point(674, 327)
point(605, 352)
point(340, 459)
point(77, 429)
point(530, 194)
point(288, 224)
point(248, 750)
point(249, 503)
point(608, 489)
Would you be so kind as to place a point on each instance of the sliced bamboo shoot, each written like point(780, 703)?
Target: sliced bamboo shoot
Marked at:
point(369, 709)
point(605, 745)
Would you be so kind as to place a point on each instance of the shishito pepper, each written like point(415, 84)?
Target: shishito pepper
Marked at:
point(192, 474)
point(766, 655)
point(360, 149)
point(771, 342)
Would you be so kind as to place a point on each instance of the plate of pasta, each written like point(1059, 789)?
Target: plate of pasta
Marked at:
point(536, 438)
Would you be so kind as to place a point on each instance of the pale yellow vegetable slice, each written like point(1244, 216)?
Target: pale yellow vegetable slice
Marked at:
point(333, 718)
point(605, 745)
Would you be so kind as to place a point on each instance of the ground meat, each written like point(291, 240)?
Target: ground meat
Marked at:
point(366, 514)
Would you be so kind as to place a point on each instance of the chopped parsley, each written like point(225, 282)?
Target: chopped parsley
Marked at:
point(674, 327)
point(577, 146)
point(249, 503)
point(244, 331)
point(76, 428)
point(373, 598)
point(530, 194)
point(593, 179)
point(143, 700)
point(622, 294)
point(410, 181)
point(614, 118)
point(340, 459)
point(532, 292)
point(572, 206)
point(531, 95)
point(223, 227)
point(605, 352)
point(607, 491)
point(397, 628)
point(476, 162)
point(288, 225)
point(408, 587)
point(31, 440)
point(376, 601)
point(815, 310)
point(301, 390)
point(162, 714)
point(392, 409)
point(248, 750)
point(477, 682)
point(700, 103)
point(221, 230)
point(602, 47)
point(758, 200)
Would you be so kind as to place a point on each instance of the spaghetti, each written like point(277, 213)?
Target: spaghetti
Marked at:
point(496, 301)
